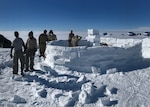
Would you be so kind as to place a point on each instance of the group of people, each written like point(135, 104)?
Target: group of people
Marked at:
point(25, 52)
point(43, 38)
point(73, 40)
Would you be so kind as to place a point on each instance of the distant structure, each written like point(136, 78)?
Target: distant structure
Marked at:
point(93, 37)
point(146, 33)
point(131, 34)
point(4, 43)
point(104, 34)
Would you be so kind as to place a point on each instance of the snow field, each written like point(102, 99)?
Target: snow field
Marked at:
point(72, 77)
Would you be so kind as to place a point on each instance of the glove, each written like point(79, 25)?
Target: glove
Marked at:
point(11, 56)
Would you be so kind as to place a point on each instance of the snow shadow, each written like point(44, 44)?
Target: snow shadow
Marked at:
point(141, 64)
point(39, 71)
point(107, 102)
point(53, 73)
point(2, 66)
point(144, 63)
point(50, 71)
point(70, 83)
point(99, 92)
point(6, 64)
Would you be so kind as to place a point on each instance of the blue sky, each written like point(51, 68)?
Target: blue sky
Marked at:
point(73, 14)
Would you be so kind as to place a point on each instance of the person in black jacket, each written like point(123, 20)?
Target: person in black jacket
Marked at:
point(70, 37)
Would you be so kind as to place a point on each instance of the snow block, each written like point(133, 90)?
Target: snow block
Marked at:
point(64, 101)
point(84, 97)
point(17, 99)
point(93, 37)
point(42, 93)
point(93, 32)
point(88, 87)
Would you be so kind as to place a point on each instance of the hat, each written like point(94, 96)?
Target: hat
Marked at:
point(45, 31)
point(51, 31)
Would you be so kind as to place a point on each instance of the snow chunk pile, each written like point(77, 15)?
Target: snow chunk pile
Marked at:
point(18, 99)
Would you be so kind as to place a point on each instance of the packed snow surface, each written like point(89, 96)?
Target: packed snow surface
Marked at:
point(116, 75)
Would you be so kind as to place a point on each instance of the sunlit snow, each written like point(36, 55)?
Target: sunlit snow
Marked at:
point(89, 75)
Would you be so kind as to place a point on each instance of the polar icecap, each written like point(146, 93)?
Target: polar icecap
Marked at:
point(116, 75)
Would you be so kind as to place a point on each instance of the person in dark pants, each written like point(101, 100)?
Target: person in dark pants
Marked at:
point(31, 46)
point(17, 45)
point(43, 38)
point(70, 37)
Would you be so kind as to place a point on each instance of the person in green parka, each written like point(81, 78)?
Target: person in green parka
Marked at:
point(31, 46)
point(43, 38)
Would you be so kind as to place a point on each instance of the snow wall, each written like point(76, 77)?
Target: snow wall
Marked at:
point(129, 42)
point(92, 59)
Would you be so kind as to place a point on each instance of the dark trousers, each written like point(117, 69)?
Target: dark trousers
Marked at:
point(42, 48)
point(29, 58)
point(18, 55)
point(70, 43)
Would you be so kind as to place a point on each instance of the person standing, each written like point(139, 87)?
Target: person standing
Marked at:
point(52, 36)
point(70, 37)
point(17, 45)
point(31, 46)
point(43, 38)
